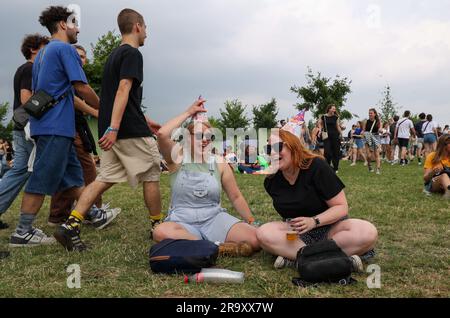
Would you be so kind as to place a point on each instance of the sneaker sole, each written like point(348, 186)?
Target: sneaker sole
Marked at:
point(359, 264)
point(30, 245)
point(279, 263)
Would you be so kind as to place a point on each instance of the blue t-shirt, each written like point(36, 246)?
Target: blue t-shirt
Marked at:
point(59, 67)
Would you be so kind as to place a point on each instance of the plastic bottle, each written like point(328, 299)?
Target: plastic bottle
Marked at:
point(216, 275)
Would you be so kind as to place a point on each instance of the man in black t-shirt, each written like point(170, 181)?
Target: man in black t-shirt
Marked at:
point(130, 153)
point(14, 179)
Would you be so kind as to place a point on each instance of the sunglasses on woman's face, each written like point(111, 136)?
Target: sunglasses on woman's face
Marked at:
point(207, 136)
point(276, 148)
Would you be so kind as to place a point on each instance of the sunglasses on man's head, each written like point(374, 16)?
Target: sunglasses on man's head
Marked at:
point(275, 148)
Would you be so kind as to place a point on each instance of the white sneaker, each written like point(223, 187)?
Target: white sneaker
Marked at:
point(357, 264)
point(34, 237)
point(105, 217)
point(353, 164)
point(282, 262)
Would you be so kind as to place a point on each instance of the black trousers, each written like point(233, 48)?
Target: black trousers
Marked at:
point(332, 147)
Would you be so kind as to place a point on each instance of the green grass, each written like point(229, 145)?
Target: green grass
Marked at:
point(413, 249)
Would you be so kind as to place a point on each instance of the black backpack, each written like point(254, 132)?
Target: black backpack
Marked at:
point(182, 256)
point(323, 262)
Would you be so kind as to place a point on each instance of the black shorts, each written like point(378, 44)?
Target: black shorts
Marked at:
point(403, 142)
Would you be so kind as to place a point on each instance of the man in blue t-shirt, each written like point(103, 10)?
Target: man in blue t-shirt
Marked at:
point(57, 71)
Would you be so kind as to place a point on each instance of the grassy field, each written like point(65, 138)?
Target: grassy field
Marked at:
point(413, 249)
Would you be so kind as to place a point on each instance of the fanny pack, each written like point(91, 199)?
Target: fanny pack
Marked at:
point(323, 262)
point(41, 102)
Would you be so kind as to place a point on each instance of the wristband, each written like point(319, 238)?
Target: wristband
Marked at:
point(110, 129)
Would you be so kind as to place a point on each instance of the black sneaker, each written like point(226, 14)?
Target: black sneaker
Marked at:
point(69, 238)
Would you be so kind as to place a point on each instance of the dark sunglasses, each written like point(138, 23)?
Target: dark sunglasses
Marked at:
point(208, 137)
point(275, 148)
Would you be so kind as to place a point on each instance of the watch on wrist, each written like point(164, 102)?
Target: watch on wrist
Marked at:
point(316, 219)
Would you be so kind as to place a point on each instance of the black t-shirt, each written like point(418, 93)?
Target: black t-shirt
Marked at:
point(22, 80)
point(392, 129)
point(331, 123)
point(125, 62)
point(418, 127)
point(308, 196)
point(369, 124)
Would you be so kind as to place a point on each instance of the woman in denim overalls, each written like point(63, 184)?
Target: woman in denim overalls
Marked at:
point(196, 182)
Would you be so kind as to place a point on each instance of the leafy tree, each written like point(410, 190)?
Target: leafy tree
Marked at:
point(5, 131)
point(214, 122)
point(265, 115)
point(322, 91)
point(233, 116)
point(100, 51)
point(388, 108)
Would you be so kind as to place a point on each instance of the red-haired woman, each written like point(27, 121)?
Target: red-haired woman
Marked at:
point(306, 190)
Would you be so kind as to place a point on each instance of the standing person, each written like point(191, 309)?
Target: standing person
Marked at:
point(394, 142)
point(430, 135)
point(14, 180)
point(402, 134)
point(385, 141)
point(316, 139)
point(56, 167)
point(373, 140)
point(420, 144)
point(437, 168)
point(130, 153)
point(359, 142)
point(332, 145)
point(61, 203)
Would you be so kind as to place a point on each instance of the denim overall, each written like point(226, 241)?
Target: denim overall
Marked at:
point(195, 202)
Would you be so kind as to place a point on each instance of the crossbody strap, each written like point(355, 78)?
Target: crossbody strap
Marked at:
point(325, 123)
point(64, 95)
point(373, 125)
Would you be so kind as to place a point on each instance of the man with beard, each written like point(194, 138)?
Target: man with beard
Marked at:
point(57, 71)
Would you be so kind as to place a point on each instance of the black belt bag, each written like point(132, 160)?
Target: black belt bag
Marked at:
point(40, 103)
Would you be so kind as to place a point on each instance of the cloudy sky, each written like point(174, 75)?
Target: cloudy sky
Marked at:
point(254, 50)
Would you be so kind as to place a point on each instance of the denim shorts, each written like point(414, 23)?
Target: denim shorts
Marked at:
point(359, 143)
point(429, 138)
point(56, 167)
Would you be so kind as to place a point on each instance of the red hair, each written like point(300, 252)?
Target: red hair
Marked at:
point(301, 157)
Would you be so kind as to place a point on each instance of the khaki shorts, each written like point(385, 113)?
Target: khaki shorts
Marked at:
point(134, 160)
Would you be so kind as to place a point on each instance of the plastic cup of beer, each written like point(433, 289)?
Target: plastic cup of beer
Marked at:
point(291, 234)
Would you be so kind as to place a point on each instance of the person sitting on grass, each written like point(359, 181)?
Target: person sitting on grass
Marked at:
point(251, 162)
point(306, 190)
point(437, 168)
point(197, 180)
